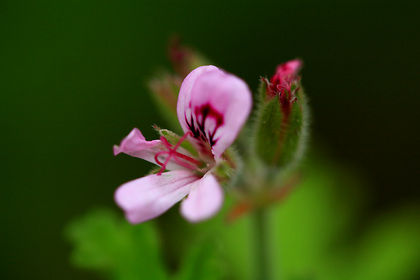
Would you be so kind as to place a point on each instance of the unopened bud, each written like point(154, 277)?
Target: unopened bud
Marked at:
point(164, 91)
point(282, 120)
point(183, 58)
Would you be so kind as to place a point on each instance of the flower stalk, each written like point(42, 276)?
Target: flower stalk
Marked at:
point(261, 241)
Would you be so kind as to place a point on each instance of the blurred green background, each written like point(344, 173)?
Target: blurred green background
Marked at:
point(72, 84)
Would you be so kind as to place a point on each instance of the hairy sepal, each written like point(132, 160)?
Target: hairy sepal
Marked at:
point(280, 130)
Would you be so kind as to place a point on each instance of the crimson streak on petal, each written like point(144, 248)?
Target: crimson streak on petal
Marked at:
point(197, 122)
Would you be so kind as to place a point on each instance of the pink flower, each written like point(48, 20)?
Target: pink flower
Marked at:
point(212, 108)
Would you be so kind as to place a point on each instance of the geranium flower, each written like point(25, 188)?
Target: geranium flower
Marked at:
point(212, 108)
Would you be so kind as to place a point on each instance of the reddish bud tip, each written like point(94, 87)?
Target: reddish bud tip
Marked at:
point(180, 56)
point(286, 74)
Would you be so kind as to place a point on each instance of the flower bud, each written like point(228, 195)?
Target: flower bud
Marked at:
point(183, 58)
point(165, 86)
point(282, 118)
point(164, 91)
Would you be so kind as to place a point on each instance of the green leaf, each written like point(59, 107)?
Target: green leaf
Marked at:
point(228, 245)
point(311, 237)
point(106, 243)
point(239, 248)
point(203, 261)
point(311, 232)
point(391, 248)
point(308, 228)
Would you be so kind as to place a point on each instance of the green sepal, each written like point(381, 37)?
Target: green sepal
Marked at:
point(268, 132)
point(262, 90)
point(280, 131)
point(223, 171)
point(294, 138)
point(174, 138)
point(171, 136)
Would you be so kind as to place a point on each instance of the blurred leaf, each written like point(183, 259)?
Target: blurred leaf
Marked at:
point(187, 244)
point(238, 244)
point(312, 232)
point(308, 234)
point(109, 245)
point(311, 236)
point(391, 249)
point(203, 262)
point(309, 229)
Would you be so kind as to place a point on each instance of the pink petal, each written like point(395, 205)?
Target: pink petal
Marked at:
point(148, 197)
point(205, 199)
point(285, 73)
point(137, 146)
point(214, 106)
point(290, 68)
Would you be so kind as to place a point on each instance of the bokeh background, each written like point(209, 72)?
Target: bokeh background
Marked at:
point(72, 84)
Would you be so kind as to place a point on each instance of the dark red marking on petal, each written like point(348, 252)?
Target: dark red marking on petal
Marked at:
point(197, 122)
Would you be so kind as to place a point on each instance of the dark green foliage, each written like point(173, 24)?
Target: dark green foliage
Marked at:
point(202, 262)
point(311, 238)
point(108, 244)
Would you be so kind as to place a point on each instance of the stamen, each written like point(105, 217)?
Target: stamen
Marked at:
point(187, 158)
point(166, 163)
point(165, 142)
point(189, 133)
point(184, 164)
point(157, 157)
point(181, 159)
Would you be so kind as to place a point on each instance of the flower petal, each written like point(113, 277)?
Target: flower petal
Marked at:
point(148, 197)
point(214, 106)
point(205, 199)
point(137, 146)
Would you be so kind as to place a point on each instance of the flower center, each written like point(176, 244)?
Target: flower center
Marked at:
point(204, 122)
point(179, 158)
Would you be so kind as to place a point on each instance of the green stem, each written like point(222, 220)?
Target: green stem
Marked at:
point(262, 242)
